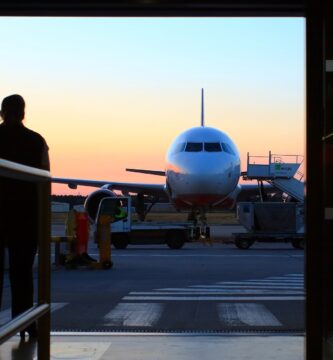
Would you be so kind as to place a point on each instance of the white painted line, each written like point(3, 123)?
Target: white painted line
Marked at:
point(262, 282)
point(285, 278)
point(128, 314)
point(256, 282)
point(275, 281)
point(215, 298)
point(249, 286)
point(246, 314)
point(217, 292)
point(232, 288)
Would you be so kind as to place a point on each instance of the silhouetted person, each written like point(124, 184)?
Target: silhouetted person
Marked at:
point(19, 204)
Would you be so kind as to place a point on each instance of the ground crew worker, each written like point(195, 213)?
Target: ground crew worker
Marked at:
point(77, 225)
point(120, 212)
point(19, 204)
point(82, 238)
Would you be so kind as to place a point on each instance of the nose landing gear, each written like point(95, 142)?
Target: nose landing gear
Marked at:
point(204, 236)
point(201, 230)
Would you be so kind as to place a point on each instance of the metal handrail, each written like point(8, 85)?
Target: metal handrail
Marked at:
point(22, 321)
point(274, 157)
point(41, 312)
point(23, 172)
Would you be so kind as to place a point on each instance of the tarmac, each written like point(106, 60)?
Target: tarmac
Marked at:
point(138, 346)
point(161, 347)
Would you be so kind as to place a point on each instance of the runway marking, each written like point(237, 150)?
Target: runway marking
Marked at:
point(129, 314)
point(293, 278)
point(277, 282)
point(246, 314)
point(247, 286)
point(216, 292)
point(259, 290)
point(216, 298)
point(6, 315)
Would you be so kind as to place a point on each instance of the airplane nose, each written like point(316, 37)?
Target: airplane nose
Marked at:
point(205, 169)
point(209, 176)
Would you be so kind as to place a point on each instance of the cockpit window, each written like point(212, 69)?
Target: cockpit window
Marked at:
point(227, 148)
point(179, 148)
point(212, 147)
point(193, 147)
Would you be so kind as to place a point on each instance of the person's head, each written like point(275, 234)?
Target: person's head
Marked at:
point(12, 109)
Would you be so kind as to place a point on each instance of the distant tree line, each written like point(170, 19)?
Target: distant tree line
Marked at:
point(72, 200)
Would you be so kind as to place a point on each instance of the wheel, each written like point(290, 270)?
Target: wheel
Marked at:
point(119, 240)
point(243, 243)
point(175, 239)
point(298, 244)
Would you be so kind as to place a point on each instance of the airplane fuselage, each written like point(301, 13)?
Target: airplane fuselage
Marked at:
point(202, 169)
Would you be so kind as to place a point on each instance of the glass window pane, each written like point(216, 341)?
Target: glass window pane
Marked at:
point(193, 147)
point(213, 147)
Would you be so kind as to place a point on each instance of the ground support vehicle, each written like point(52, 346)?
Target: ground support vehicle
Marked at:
point(270, 221)
point(174, 235)
point(125, 231)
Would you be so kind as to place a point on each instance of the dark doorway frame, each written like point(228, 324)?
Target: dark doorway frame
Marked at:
point(315, 12)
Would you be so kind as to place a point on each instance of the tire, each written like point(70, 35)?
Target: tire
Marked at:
point(243, 243)
point(175, 239)
point(119, 240)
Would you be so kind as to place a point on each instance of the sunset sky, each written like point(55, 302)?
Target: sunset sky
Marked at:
point(111, 93)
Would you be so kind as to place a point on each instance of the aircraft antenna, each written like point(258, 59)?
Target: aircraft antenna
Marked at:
point(202, 108)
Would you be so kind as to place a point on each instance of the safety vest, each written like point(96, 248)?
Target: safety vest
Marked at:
point(120, 213)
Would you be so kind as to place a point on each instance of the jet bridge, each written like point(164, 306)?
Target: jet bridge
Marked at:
point(282, 171)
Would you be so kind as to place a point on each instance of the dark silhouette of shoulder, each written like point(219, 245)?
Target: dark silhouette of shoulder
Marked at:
point(22, 145)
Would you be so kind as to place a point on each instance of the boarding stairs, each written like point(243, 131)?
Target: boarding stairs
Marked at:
point(275, 170)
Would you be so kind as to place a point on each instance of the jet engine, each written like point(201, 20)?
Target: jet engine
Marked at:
point(92, 202)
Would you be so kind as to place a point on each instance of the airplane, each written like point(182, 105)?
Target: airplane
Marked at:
point(202, 173)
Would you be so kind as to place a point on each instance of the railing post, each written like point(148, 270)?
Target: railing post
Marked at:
point(44, 269)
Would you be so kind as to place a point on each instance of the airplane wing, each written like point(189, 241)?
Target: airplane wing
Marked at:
point(143, 188)
point(150, 172)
